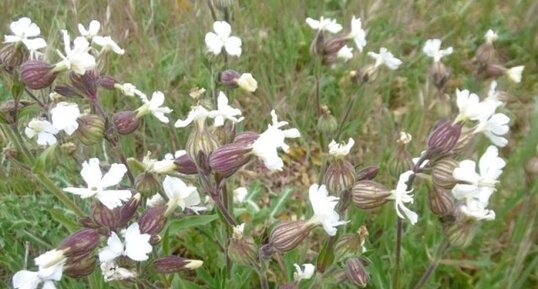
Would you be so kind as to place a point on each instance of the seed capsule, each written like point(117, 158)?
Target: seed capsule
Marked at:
point(37, 74)
point(442, 173)
point(369, 194)
point(288, 235)
point(91, 129)
point(440, 201)
point(339, 176)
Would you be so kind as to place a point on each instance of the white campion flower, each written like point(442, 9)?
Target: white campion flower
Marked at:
point(267, 144)
point(160, 167)
point(136, 245)
point(225, 111)
point(44, 131)
point(494, 128)
point(216, 41)
point(345, 53)
point(357, 33)
point(432, 49)
point(107, 44)
point(155, 201)
point(111, 272)
point(491, 36)
point(514, 73)
point(129, 89)
point(305, 274)
point(401, 196)
point(97, 184)
point(76, 58)
point(240, 194)
point(91, 32)
point(323, 206)
point(476, 209)
point(181, 195)
point(154, 106)
point(25, 279)
point(64, 117)
point(385, 57)
point(324, 24)
point(26, 32)
point(469, 105)
point(478, 186)
point(198, 115)
point(247, 82)
point(340, 149)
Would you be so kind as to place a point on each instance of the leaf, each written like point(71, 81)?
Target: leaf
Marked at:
point(190, 221)
point(61, 217)
point(46, 159)
point(326, 257)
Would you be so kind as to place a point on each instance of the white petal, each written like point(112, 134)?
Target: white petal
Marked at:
point(26, 280)
point(113, 249)
point(137, 246)
point(113, 198)
point(233, 46)
point(114, 175)
point(214, 43)
point(222, 29)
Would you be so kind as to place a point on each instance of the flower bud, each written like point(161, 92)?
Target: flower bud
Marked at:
point(440, 201)
point(369, 194)
point(443, 138)
point(80, 243)
point(65, 90)
point(229, 78)
point(152, 220)
point(246, 138)
point(399, 161)
point(87, 222)
point(37, 74)
point(356, 272)
point(351, 244)
point(227, 159)
point(201, 140)
point(327, 123)
point(495, 70)
point(442, 173)
point(128, 210)
point(125, 121)
point(80, 265)
point(147, 184)
point(91, 129)
point(439, 75)
point(107, 82)
point(12, 55)
point(367, 173)
point(86, 83)
point(339, 176)
point(173, 264)
point(288, 235)
point(185, 165)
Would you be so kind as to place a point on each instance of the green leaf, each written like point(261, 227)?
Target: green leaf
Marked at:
point(190, 221)
point(46, 159)
point(66, 221)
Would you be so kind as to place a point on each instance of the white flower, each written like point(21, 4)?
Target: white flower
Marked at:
point(97, 184)
point(478, 186)
point(240, 194)
point(136, 245)
point(384, 57)
point(401, 196)
point(107, 44)
point(181, 195)
point(44, 130)
point(345, 53)
point(514, 73)
point(340, 150)
point(129, 89)
point(469, 105)
point(155, 201)
point(225, 111)
point(357, 33)
point(26, 32)
point(161, 167)
point(64, 117)
point(491, 36)
point(50, 258)
point(91, 32)
point(494, 128)
point(476, 209)
point(247, 82)
point(305, 274)
point(221, 38)
point(323, 206)
point(76, 58)
point(432, 48)
point(267, 144)
point(323, 24)
point(112, 272)
point(176, 155)
point(238, 231)
point(154, 106)
point(198, 114)
point(31, 280)
point(405, 137)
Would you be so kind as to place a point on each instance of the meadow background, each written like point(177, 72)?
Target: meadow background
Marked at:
point(164, 42)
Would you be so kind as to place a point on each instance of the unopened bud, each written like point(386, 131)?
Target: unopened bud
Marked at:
point(351, 244)
point(227, 159)
point(37, 74)
point(185, 165)
point(369, 194)
point(152, 220)
point(439, 74)
point(495, 70)
point(126, 122)
point(91, 129)
point(339, 176)
point(356, 272)
point(485, 55)
point(246, 138)
point(107, 82)
point(80, 266)
point(147, 184)
point(466, 136)
point(12, 55)
point(333, 45)
point(440, 201)
point(229, 78)
point(87, 222)
point(128, 210)
point(288, 235)
point(327, 123)
point(80, 242)
point(173, 264)
point(444, 138)
point(442, 173)
point(367, 173)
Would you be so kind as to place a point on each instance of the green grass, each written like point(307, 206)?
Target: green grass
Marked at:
point(164, 41)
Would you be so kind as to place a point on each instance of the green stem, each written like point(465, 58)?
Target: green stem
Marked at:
point(433, 265)
point(14, 136)
point(49, 184)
